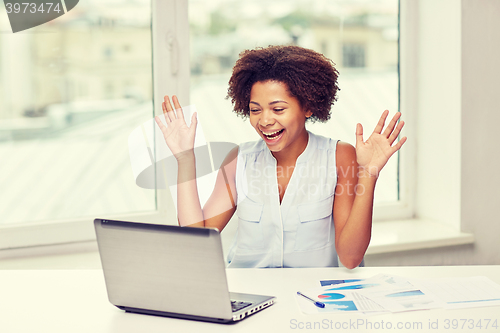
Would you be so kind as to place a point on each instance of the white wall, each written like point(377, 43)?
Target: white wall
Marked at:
point(458, 175)
point(480, 119)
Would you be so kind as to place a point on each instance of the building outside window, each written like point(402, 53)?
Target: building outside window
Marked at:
point(353, 55)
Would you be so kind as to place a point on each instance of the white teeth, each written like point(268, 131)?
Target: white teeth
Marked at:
point(271, 133)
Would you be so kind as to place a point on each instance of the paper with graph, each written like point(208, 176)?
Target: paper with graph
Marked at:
point(384, 293)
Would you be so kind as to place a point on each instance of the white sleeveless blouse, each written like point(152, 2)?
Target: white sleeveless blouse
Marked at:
point(299, 232)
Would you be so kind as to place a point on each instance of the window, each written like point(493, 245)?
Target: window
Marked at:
point(65, 116)
point(359, 36)
point(72, 90)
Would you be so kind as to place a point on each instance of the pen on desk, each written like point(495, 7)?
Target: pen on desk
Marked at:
point(318, 304)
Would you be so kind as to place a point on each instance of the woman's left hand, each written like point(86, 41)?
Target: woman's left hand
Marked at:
point(374, 153)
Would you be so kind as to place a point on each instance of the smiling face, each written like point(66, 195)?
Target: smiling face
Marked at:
point(279, 118)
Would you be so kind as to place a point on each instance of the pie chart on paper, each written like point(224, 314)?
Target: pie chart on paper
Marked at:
point(327, 296)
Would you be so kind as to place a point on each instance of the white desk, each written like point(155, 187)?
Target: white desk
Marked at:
point(76, 301)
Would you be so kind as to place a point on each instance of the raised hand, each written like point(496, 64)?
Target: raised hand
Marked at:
point(374, 153)
point(178, 136)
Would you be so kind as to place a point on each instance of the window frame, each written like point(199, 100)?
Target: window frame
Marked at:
point(79, 230)
point(404, 208)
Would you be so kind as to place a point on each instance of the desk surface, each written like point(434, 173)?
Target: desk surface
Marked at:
point(76, 301)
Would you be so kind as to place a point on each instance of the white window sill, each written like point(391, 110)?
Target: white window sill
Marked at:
point(387, 237)
point(404, 235)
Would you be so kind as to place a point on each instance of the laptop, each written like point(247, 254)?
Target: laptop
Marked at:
point(170, 271)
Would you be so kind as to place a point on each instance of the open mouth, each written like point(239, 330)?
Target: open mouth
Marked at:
point(273, 135)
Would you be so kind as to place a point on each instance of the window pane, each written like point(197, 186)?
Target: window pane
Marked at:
point(360, 36)
point(71, 91)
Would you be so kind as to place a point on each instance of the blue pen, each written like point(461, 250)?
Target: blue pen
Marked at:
point(318, 304)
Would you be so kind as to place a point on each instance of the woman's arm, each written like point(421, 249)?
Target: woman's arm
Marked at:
point(357, 173)
point(352, 208)
point(220, 206)
point(180, 140)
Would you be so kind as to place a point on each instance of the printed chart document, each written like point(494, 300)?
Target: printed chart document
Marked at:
point(339, 297)
point(388, 293)
point(398, 294)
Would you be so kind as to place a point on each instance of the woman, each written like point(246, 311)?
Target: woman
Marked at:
point(301, 199)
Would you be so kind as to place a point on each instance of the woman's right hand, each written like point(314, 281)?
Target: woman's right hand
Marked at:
point(178, 136)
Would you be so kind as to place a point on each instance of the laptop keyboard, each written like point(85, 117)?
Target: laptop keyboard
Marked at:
point(236, 305)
